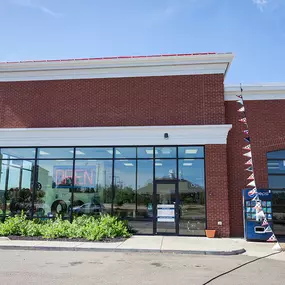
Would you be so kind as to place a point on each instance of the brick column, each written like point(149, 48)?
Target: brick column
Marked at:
point(217, 189)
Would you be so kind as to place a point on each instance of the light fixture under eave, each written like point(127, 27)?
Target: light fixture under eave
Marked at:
point(187, 164)
point(166, 150)
point(158, 164)
point(78, 152)
point(150, 151)
point(128, 164)
point(111, 151)
point(191, 150)
point(44, 152)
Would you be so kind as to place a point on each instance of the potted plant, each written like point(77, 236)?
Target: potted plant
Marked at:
point(210, 233)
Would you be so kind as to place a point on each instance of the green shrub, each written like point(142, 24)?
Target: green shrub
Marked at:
point(90, 228)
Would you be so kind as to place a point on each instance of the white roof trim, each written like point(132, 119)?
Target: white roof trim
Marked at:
point(116, 67)
point(104, 136)
point(273, 91)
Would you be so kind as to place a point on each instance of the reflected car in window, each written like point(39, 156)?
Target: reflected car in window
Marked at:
point(89, 208)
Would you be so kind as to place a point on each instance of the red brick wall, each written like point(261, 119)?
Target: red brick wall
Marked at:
point(217, 189)
point(266, 120)
point(168, 100)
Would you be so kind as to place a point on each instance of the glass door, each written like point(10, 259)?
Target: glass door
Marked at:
point(166, 207)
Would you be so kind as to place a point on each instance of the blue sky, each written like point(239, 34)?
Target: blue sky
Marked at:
point(254, 30)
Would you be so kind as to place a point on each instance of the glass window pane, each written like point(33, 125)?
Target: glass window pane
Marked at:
point(276, 166)
point(18, 153)
point(276, 181)
point(165, 152)
point(19, 188)
point(53, 195)
point(94, 152)
point(190, 151)
point(3, 179)
point(144, 216)
point(192, 197)
point(125, 188)
point(278, 210)
point(93, 187)
point(48, 153)
point(280, 154)
point(125, 152)
point(145, 152)
point(165, 169)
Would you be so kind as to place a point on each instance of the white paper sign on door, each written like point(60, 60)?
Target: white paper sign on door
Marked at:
point(166, 213)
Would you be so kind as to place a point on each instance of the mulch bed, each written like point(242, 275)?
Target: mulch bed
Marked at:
point(66, 239)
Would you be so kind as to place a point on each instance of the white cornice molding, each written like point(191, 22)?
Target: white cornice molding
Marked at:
point(116, 67)
point(274, 91)
point(104, 136)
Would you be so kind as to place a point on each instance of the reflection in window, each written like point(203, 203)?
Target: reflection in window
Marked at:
point(190, 152)
point(53, 196)
point(276, 169)
point(165, 152)
point(18, 186)
point(125, 152)
point(125, 188)
point(278, 210)
point(17, 153)
point(276, 181)
point(94, 152)
point(144, 215)
point(192, 196)
point(165, 169)
point(3, 176)
point(93, 187)
point(61, 152)
point(145, 152)
point(279, 154)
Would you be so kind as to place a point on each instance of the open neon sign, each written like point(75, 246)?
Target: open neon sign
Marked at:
point(83, 176)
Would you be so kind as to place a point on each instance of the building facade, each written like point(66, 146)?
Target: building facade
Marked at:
point(154, 140)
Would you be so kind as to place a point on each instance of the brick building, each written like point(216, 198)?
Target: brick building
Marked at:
point(153, 139)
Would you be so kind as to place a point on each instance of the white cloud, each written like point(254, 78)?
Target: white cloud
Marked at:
point(261, 4)
point(35, 4)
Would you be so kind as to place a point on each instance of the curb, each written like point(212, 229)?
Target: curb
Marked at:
point(53, 248)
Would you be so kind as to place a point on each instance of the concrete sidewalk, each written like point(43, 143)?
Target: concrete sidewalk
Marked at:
point(164, 244)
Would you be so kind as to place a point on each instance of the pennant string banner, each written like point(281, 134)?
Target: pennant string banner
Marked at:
point(247, 147)
point(253, 193)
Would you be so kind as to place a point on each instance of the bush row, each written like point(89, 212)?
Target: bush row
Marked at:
point(86, 227)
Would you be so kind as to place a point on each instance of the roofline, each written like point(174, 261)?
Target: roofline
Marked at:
point(108, 67)
point(111, 57)
point(261, 91)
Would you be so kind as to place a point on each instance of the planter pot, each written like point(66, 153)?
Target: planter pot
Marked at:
point(210, 233)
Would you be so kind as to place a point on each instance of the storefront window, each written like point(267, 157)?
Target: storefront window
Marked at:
point(73, 181)
point(165, 169)
point(145, 152)
point(94, 152)
point(18, 153)
point(192, 220)
point(165, 152)
point(276, 182)
point(17, 186)
point(144, 215)
point(92, 187)
point(125, 188)
point(125, 152)
point(61, 152)
point(53, 194)
point(190, 152)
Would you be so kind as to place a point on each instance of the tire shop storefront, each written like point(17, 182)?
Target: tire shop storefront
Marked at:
point(153, 140)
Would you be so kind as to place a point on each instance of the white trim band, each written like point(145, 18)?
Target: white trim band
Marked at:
point(107, 136)
point(274, 91)
point(117, 67)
